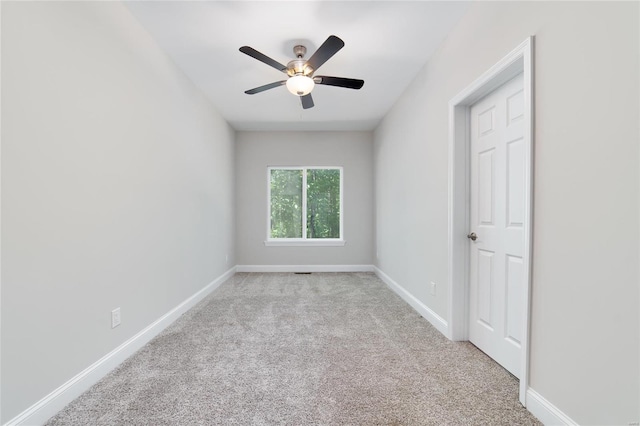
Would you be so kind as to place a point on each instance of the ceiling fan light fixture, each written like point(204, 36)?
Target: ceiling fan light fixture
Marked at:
point(300, 85)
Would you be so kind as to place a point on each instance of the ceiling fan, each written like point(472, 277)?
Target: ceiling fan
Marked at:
point(301, 71)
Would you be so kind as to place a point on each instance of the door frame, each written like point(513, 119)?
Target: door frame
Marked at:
point(519, 60)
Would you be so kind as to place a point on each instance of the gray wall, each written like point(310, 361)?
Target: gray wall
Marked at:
point(117, 190)
point(255, 151)
point(585, 324)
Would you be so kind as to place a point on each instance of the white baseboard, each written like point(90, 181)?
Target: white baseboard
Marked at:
point(304, 268)
point(436, 320)
point(545, 411)
point(51, 404)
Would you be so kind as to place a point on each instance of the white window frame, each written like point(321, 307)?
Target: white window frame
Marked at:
point(304, 241)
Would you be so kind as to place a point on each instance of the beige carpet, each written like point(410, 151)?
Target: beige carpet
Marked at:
point(288, 349)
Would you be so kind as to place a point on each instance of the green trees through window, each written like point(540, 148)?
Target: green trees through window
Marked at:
point(323, 203)
point(286, 203)
point(306, 199)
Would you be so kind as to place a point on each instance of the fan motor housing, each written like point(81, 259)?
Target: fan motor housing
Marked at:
point(299, 67)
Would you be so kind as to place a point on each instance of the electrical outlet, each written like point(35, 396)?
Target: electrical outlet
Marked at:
point(115, 318)
point(433, 288)
point(226, 259)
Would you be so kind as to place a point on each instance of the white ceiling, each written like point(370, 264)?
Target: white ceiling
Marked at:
point(386, 44)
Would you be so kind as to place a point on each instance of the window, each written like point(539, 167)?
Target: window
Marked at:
point(305, 206)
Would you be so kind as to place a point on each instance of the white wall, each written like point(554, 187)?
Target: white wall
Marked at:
point(585, 322)
point(117, 190)
point(255, 151)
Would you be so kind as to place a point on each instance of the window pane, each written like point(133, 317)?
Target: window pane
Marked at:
point(323, 203)
point(286, 203)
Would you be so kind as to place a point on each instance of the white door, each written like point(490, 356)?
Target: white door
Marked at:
point(497, 281)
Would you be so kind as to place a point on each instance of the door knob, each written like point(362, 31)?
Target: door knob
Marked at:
point(472, 236)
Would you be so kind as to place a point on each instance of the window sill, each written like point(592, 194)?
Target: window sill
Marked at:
point(304, 243)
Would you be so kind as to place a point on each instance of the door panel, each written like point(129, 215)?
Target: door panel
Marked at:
point(515, 276)
point(485, 187)
point(515, 183)
point(485, 287)
point(497, 217)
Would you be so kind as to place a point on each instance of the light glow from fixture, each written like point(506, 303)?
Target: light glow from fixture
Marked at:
point(300, 85)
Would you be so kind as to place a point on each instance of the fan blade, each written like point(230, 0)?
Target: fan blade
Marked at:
point(349, 83)
point(329, 48)
point(265, 87)
point(263, 58)
point(307, 101)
